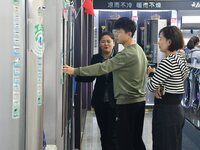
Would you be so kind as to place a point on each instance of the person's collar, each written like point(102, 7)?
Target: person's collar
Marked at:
point(109, 56)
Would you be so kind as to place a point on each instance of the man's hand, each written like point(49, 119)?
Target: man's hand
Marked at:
point(68, 70)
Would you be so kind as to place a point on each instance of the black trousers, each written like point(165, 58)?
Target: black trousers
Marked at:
point(130, 119)
point(106, 115)
point(167, 124)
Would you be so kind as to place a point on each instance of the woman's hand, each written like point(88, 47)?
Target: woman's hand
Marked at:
point(68, 70)
point(158, 95)
point(150, 70)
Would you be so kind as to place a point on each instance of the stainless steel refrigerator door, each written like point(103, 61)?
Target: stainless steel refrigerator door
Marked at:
point(69, 82)
point(50, 71)
point(12, 76)
point(34, 87)
point(53, 82)
point(54, 112)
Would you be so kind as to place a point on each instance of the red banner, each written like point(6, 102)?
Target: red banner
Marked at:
point(88, 5)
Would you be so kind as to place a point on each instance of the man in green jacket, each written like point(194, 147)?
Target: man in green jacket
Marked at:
point(129, 70)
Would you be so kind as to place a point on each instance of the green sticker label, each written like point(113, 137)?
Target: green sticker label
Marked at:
point(65, 3)
point(39, 40)
point(16, 2)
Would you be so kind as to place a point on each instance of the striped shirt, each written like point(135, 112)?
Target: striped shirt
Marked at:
point(171, 73)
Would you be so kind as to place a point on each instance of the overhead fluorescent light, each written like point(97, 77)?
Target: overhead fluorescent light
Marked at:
point(190, 19)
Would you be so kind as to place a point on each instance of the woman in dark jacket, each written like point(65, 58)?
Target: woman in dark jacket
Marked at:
point(103, 100)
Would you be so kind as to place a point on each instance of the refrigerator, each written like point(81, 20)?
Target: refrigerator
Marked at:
point(151, 38)
point(35, 47)
point(58, 87)
point(21, 78)
point(151, 49)
point(35, 96)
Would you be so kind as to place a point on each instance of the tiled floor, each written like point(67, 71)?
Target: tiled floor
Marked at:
point(91, 137)
point(51, 147)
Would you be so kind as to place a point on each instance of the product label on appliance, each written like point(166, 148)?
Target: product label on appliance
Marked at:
point(16, 110)
point(65, 3)
point(38, 13)
point(39, 45)
point(16, 2)
point(17, 59)
point(39, 81)
point(39, 40)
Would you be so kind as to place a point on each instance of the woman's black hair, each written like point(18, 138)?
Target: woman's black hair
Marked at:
point(174, 34)
point(192, 42)
point(108, 34)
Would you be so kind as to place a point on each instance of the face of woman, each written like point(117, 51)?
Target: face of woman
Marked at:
point(107, 44)
point(164, 43)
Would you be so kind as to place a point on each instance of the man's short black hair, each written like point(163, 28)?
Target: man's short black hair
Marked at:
point(126, 24)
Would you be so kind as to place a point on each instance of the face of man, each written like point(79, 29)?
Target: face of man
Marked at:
point(121, 36)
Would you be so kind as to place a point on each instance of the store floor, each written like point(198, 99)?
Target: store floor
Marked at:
point(91, 136)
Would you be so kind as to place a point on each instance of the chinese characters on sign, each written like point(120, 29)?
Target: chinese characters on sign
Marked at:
point(121, 5)
point(128, 5)
point(195, 4)
point(146, 5)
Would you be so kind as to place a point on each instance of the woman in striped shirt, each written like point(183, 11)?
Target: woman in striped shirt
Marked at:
point(168, 85)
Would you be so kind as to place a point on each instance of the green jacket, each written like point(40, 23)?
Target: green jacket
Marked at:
point(129, 70)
